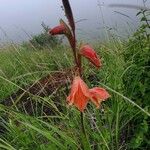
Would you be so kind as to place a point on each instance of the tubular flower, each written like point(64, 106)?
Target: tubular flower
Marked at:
point(57, 30)
point(97, 95)
point(90, 54)
point(79, 94)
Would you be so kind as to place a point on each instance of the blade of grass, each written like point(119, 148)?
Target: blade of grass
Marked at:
point(6, 145)
point(62, 134)
point(127, 99)
point(46, 134)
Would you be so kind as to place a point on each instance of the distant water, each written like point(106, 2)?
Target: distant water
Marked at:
point(19, 19)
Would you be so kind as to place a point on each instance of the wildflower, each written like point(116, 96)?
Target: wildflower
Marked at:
point(58, 30)
point(79, 94)
point(98, 95)
point(90, 54)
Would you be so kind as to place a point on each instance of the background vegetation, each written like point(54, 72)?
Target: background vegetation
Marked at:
point(121, 123)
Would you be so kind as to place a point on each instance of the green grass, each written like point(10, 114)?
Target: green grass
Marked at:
point(108, 128)
point(23, 66)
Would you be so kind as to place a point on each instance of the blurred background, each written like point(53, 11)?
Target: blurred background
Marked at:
point(20, 19)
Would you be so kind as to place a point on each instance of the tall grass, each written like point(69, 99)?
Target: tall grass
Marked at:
point(107, 128)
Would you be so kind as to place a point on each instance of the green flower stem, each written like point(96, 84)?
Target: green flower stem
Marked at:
point(84, 138)
point(82, 124)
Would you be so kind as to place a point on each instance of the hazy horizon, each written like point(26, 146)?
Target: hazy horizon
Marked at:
point(18, 17)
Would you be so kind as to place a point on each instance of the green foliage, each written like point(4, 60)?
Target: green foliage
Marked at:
point(28, 66)
point(111, 127)
point(137, 80)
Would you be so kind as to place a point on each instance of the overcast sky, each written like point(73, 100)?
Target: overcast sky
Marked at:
point(19, 15)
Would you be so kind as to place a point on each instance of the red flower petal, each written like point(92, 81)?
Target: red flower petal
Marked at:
point(90, 54)
point(79, 94)
point(58, 30)
point(98, 95)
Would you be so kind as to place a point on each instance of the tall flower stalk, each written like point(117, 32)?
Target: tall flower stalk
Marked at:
point(80, 94)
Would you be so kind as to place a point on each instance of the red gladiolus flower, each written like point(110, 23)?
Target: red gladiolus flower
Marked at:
point(79, 94)
point(98, 95)
point(90, 54)
point(58, 30)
